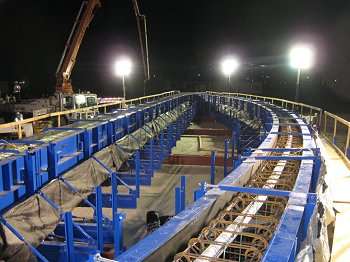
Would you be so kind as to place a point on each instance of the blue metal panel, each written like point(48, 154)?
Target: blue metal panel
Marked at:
point(12, 186)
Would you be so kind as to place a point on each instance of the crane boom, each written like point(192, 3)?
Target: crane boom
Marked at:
point(64, 69)
point(143, 40)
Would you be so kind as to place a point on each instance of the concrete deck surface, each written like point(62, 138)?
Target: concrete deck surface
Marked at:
point(340, 175)
point(160, 197)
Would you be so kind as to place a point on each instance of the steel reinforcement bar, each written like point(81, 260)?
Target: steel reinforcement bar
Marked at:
point(260, 211)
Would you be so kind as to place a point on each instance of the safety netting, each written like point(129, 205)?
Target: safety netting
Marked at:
point(35, 218)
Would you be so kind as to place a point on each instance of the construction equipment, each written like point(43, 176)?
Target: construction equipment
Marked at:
point(143, 41)
point(71, 49)
point(64, 98)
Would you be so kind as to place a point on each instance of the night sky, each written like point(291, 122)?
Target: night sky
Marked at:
point(186, 38)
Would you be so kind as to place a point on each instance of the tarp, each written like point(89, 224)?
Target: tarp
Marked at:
point(241, 115)
point(35, 218)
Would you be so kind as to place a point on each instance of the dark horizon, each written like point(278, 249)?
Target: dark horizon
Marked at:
point(187, 41)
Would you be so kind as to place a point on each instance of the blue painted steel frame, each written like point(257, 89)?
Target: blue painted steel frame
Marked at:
point(284, 245)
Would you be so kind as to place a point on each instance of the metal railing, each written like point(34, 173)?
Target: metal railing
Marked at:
point(336, 131)
point(312, 113)
point(333, 128)
point(19, 124)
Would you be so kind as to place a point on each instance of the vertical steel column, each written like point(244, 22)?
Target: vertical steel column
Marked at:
point(30, 175)
point(68, 228)
point(52, 165)
point(233, 147)
point(183, 192)
point(7, 177)
point(118, 233)
point(87, 148)
point(316, 170)
point(225, 158)
point(177, 200)
point(152, 157)
point(198, 193)
point(114, 192)
point(99, 218)
point(309, 209)
point(137, 163)
point(238, 161)
point(212, 170)
point(161, 147)
point(117, 219)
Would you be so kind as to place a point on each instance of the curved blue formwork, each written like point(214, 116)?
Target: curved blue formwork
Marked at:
point(29, 173)
point(42, 178)
point(164, 243)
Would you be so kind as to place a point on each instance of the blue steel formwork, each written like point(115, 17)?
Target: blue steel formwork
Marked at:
point(23, 173)
point(47, 156)
point(291, 231)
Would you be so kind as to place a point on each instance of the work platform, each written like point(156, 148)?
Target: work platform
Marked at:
point(96, 180)
point(340, 184)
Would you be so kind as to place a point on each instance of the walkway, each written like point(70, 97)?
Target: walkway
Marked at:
point(341, 202)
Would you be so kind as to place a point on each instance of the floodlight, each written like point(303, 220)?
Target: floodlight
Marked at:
point(123, 67)
point(229, 66)
point(301, 57)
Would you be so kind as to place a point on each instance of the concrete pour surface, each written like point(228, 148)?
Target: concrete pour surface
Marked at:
point(160, 197)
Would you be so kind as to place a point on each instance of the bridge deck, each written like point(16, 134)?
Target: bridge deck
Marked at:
point(340, 175)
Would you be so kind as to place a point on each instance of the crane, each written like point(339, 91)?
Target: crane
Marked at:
point(143, 40)
point(66, 64)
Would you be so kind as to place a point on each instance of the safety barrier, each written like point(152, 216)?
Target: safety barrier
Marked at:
point(336, 130)
point(52, 172)
point(83, 111)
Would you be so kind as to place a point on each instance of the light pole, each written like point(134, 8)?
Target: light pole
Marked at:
point(228, 66)
point(123, 69)
point(301, 57)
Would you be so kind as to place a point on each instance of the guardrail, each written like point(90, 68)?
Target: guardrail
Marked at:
point(18, 125)
point(304, 109)
point(335, 129)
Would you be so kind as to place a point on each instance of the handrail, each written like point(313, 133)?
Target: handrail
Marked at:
point(83, 110)
point(284, 102)
point(342, 120)
point(344, 153)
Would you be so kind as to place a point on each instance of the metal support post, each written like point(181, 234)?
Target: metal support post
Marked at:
point(198, 193)
point(233, 147)
point(161, 146)
point(52, 151)
point(177, 200)
point(225, 158)
point(309, 209)
point(118, 232)
point(238, 161)
point(99, 218)
point(237, 134)
point(316, 170)
point(183, 192)
point(212, 170)
point(30, 177)
point(68, 228)
point(152, 157)
point(114, 185)
point(137, 163)
point(170, 136)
